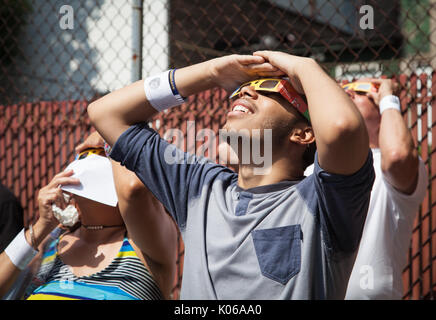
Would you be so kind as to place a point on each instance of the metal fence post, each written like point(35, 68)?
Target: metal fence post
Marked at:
point(137, 20)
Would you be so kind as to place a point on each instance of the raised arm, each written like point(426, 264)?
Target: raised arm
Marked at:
point(341, 136)
point(398, 153)
point(152, 230)
point(115, 112)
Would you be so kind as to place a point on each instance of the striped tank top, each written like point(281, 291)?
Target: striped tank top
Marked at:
point(125, 278)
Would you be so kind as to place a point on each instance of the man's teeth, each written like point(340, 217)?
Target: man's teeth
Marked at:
point(242, 109)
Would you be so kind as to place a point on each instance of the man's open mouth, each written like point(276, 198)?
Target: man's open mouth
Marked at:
point(241, 108)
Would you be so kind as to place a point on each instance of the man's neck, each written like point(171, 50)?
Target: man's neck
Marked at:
point(280, 170)
point(373, 128)
point(373, 138)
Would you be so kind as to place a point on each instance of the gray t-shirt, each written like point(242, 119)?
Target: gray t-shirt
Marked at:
point(289, 240)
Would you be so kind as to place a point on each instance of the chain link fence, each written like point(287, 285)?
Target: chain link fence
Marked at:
point(57, 55)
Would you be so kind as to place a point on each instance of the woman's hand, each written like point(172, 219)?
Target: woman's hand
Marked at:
point(53, 194)
point(231, 71)
point(94, 140)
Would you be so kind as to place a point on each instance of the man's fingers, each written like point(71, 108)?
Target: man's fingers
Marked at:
point(266, 70)
point(373, 96)
point(272, 74)
point(249, 59)
point(262, 53)
point(263, 67)
point(367, 79)
point(266, 55)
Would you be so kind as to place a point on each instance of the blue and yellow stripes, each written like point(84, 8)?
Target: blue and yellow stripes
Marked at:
point(72, 290)
point(125, 278)
point(126, 250)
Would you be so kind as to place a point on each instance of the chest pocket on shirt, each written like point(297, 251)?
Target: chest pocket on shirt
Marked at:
point(278, 252)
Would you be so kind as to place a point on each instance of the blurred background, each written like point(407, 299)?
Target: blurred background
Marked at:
point(57, 55)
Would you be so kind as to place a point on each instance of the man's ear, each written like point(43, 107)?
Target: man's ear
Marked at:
point(302, 135)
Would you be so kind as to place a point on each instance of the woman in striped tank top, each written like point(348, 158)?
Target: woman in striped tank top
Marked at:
point(99, 260)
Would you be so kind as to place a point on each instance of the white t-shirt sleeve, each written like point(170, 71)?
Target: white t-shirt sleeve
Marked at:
point(383, 249)
point(407, 203)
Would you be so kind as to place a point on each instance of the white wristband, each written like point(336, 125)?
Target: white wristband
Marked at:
point(390, 102)
point(158, 92)
point(20, 251)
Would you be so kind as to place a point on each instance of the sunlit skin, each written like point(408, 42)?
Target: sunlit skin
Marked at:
point(389, 133)
point(370, 113)
point(269, 110)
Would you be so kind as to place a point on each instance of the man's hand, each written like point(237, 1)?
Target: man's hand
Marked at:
point(386, 87)
point(286, 63)
point(341, 136)
point(229, 72)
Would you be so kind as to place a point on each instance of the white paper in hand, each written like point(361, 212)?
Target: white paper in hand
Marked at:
point(96, 179)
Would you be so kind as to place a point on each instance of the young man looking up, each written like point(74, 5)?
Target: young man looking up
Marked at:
point(250, 236)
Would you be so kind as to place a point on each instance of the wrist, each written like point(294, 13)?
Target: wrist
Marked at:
point(161, 91)
point(41, 229)
point(212, 78)
point(389, 102)
point(302, 66)
point(20, 252)
point(196, 78)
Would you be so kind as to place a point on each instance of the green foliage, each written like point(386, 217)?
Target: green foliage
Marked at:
point(415, 19)
point(12, 20)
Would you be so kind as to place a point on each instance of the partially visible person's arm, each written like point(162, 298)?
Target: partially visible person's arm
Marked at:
point(149, 226)
point(8, 273)
point(152, 230)
point(42, 228)
point(115, 112)
point(398, 153)
point(340, 132)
